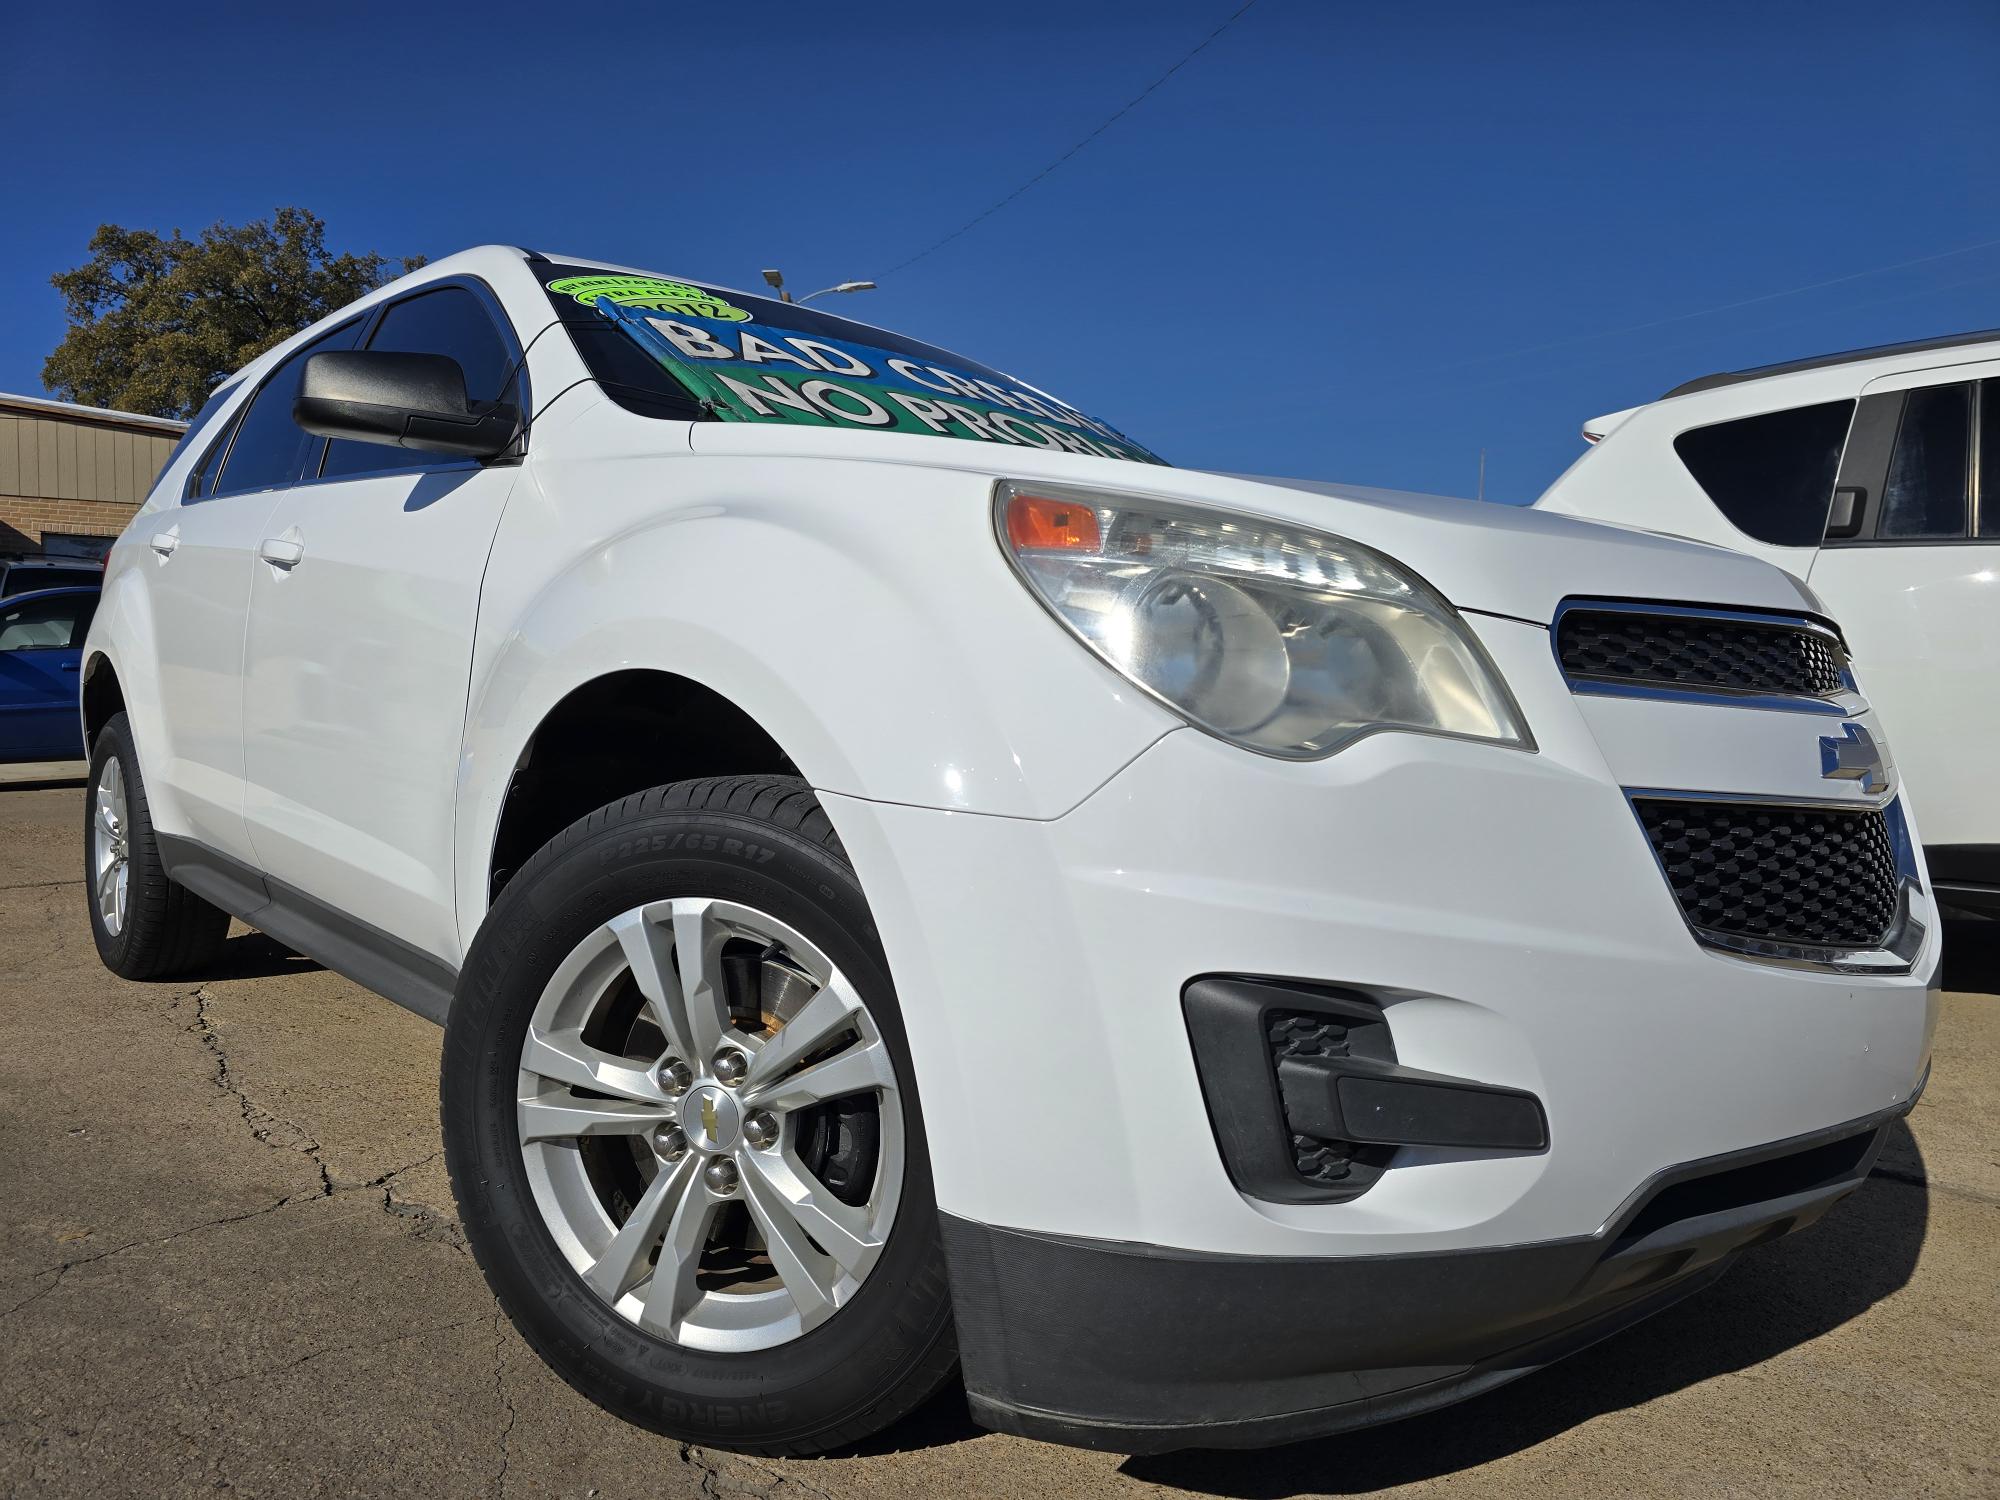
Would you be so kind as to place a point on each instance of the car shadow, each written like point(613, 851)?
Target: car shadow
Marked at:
point(1972, 956)
point(252, 955)
point(1776, 1297)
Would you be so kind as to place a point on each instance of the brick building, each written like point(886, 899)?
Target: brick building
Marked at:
point(71, 476)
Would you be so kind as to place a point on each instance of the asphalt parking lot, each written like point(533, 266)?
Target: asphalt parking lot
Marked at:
point(228, 1263)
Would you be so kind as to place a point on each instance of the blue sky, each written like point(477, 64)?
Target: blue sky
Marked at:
point(1347, 241)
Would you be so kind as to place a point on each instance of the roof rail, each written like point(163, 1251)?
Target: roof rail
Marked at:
point(1826, 361)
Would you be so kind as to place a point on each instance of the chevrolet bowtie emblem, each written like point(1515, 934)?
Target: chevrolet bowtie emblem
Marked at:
point(708, 1117)
point(1852, 756)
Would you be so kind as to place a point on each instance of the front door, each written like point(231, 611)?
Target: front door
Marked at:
point(363, 603)
point(1916, 587)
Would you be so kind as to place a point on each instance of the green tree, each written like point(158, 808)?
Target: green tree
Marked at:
point(155, 323)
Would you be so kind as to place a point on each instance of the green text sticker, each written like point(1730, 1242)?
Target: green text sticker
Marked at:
point(650, 291)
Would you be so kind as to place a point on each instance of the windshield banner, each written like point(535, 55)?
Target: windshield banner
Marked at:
point(748, 370)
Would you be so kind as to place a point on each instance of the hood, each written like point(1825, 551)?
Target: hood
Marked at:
point(1497, 559)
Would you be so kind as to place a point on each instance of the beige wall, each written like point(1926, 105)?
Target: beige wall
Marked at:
point(78, 475)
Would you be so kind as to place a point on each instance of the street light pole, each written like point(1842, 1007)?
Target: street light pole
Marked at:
point(776, 281)
point(845, 286)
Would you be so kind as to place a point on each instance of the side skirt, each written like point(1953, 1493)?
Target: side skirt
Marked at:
point(367, 955)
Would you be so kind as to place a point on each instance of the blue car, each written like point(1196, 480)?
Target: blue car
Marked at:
point(41, 655)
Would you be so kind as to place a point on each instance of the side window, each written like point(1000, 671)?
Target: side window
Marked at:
point(269, 446)
point(1771, 474)
point(201, 430)
point(450, 320)
point(47, 624)
point(1989, 458)
point(1925, 493)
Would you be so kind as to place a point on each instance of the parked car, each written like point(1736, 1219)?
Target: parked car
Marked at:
point(1865, 474)
point(21, 575)
point(910, 880)
point(41, 653)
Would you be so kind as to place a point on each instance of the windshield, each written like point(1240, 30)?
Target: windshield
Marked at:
point(674, 349)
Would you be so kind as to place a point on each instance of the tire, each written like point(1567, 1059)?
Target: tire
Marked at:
point(757, 844)
point(159, 929)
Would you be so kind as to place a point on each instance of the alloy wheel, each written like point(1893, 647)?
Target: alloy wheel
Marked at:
point(711, 1124)
point(110, 856)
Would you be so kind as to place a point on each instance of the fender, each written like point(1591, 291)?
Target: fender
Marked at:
point(862, 614)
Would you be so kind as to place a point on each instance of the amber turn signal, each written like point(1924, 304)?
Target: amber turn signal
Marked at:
point(1040, 523)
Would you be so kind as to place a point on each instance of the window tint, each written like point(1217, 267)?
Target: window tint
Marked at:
point(1924, 495)
point(1771, 475)
point(269, 446)
point(449, 321)
point(1989, 458)
point(47, 624)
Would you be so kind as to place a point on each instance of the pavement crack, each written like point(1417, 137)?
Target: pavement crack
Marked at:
point(508, 1413)
point(1903, 1177)
point(725, 1476)
point(272, 1130)
point(62, 1270)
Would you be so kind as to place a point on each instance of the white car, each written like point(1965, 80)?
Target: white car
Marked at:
point(912, 881)
point(1863, 474)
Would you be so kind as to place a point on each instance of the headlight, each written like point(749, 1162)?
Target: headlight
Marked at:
point(1279, 639)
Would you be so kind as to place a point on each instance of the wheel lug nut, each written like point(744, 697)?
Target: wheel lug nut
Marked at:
point(674, 1076)
point(761, 1129)
point(670, 1143)
point(730, 1067)
point(720, 1175)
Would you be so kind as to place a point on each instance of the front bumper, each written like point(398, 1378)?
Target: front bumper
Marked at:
point(1502, 908)
point(1142, 1350)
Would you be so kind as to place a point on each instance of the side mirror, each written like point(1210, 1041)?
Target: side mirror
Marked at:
point(402, 400)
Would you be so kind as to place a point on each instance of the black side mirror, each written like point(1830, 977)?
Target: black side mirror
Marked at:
point(403, 400)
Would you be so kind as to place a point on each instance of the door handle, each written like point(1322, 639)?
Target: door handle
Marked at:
point(282, 551)
point(164, 542)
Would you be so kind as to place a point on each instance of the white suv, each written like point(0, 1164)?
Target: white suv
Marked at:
point(912, 881)
point(1864, 474)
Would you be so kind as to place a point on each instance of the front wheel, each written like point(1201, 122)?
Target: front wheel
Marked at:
point(682, 1127)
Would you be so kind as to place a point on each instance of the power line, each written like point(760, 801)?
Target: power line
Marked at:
point(1706, 312)
point(1134, 103)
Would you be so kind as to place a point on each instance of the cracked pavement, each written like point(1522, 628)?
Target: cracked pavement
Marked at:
point(229, 1264)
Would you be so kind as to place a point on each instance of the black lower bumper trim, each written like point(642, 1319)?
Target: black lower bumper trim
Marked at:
point(1141, 1349)
point(1411, 1392)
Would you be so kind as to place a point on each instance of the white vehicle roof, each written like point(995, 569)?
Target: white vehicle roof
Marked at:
point(1629, 477)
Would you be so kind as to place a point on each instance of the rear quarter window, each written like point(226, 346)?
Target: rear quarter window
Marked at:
point(1772, 474)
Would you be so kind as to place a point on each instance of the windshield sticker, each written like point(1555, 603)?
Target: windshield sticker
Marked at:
point(650, 292)
point(759, 372)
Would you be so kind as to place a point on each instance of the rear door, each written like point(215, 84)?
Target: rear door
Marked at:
point(1911, 569)
point(201, 553)
point(363, 601)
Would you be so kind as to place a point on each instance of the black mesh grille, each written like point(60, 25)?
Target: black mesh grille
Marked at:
point(1695, 651)
point(1795, 876)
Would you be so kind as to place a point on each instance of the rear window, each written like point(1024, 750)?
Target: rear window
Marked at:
point(23, 579)
point(1771, 475)
point(671, 349)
